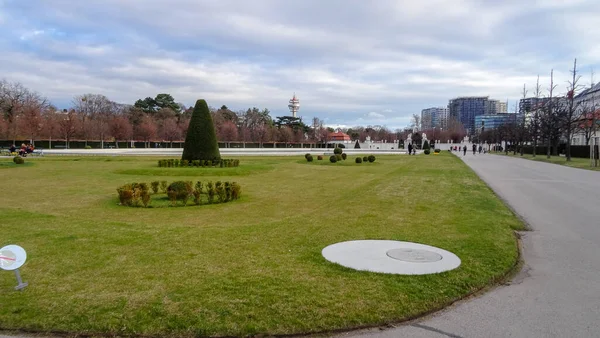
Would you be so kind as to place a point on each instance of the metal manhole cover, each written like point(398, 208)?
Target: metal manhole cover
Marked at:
point(414, 255)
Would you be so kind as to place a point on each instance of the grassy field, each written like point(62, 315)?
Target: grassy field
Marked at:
point(246, 267)
point(581, 163)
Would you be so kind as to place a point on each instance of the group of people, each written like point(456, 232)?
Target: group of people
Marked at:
point(412, 150)
point(464, 149)
point(24, 150)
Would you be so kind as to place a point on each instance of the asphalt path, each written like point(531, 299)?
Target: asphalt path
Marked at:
point(557, 293)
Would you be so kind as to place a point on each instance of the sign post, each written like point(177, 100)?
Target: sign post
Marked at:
point(12, 257)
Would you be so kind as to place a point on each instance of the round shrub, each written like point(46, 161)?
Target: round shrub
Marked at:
point(358, 160)
point(341, 145)
point(371, 158)
point(344, 156)
point(365, 159)
point(436, 150)
point(332, 159)
point(338, 157)
point(320, 157)
point(426, 152)
point(338, 151)
point(309, 158)
point(88, 147)
point(306, 155)
point(180, 190)
point(18, 160)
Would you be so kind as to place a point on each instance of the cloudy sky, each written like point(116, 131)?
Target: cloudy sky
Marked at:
point(350, 62)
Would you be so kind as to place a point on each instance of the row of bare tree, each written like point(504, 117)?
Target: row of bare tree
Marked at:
point(551, 119)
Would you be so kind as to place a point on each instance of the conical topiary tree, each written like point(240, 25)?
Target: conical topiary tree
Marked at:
point(201, 139)
point(357, 145)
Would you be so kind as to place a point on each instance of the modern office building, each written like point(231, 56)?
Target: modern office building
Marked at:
point(495, 107)
point(465, 109)
point(436, 117)
point(493, 121)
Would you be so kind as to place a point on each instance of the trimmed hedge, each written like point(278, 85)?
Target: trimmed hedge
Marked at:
point(220, 163)
point(358, 160)
point(18, 160)
point(426, 151)
point(338, 151)
point(201, 139)
point(333, 159)
point(309, 158)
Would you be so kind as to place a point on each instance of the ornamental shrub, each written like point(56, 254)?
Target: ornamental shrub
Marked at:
point(87, 147)
point(154, 185)
point(426, 151)
point(365, 158)
point(320, 157)
point(145, 196)
point(356, 145)
point(332, 159)
point(201, 139)
point(371, 158)
point(426, 145)
point(306, 155)
point(437, 151)
point(163, 187)
point(338, 151)
point(338, 157)
point(179, 191)
point(358, 160)
point(236, 191)
point(18, 160)
point(211, 192)
point(344, 156)
point(176, 163)
point(125, 194)
point(309, 158)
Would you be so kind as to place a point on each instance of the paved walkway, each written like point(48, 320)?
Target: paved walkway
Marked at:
point(558, 292)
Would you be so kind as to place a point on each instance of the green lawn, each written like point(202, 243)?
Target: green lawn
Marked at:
point(246, 267)
point(581, 163)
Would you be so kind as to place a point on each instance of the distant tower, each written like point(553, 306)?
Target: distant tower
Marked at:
point(294, 105)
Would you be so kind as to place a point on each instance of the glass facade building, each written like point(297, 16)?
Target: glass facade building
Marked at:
point(465, 109)
point(487, 122)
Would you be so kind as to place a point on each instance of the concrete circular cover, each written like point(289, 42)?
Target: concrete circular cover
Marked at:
point(393, 257)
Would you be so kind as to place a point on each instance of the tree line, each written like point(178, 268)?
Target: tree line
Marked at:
point(28, 115)
point(550, 120)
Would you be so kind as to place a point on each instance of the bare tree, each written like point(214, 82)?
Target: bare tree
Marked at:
point(550, 121)
point(571, 110)
point(68, 124)
point(534, 116)
point(95, 107)
point(415, 122)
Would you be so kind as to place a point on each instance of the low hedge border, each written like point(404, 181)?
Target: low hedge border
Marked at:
point(139, 194)
point(177, 163)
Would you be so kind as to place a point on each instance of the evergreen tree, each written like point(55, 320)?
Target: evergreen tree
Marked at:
point(201, 140)
point(357, 146)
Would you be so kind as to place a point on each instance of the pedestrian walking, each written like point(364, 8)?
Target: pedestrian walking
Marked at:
point(480, 148)
point(474, 148)
point(465, 150)
point(410, 148)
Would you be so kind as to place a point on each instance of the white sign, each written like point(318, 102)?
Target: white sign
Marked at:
point(12, 257)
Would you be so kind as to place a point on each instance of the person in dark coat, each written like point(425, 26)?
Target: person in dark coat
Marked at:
point(465, 150)
point(474, 148)
point(410, 148)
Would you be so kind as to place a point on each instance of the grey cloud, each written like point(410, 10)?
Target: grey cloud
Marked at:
point(344, 58)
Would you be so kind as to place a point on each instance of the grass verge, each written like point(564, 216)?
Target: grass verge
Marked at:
point(581, 163)
point(249, 267)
